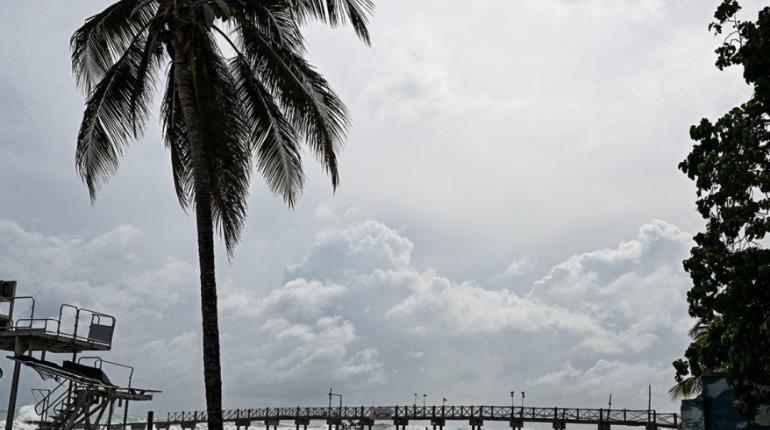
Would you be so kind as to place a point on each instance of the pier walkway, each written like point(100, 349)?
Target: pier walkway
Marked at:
point(437, 416)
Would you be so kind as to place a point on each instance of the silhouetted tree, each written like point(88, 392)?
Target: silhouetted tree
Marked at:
point(688, 385)
point(730, 264)
point(221, 116)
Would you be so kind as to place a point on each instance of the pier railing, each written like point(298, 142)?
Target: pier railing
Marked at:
point(628, 417)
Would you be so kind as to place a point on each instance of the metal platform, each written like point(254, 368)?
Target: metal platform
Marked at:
point(84, 392)
point(33, 339)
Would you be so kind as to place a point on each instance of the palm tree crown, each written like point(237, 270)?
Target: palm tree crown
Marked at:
point(255, 108)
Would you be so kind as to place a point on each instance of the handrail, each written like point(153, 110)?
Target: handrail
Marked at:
point(33, 320)
point(41, 401)
point(98, 314)
point(32, 309)
point(77, 315)
point(45, 404)
point(94, 316)
point(100, 360)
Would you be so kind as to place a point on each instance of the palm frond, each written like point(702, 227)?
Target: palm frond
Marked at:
point(115, 112)
point(104, 37)
point(699, 330)
point(276, 143)
point(275, 19)
point(224, 137)
point(311, 106)
point(152, 56)
point(176, 141)
point(688, 388)
point(338, 13)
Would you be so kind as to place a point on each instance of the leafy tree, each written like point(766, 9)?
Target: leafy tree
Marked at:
point(730, 263)
point(221, 116)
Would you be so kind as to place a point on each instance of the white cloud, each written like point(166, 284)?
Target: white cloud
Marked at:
point(519, 267)
point(604, 377)
point(310, 354)
point(359, 248)
point(437, 304)
point(636, 290)
point(98, 271)
point(297, 298)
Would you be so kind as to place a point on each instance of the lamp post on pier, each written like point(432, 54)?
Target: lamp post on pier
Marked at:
point(415, 400)
point(333, 394)
point(522, 401)
point(424, 398)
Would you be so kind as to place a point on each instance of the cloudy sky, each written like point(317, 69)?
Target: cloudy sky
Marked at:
point(510, 218)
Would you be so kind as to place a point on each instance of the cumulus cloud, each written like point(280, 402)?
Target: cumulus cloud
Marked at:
point(613, 306)
point(94, 270)
point(291, 359)
point(358, 248)
point(605, 377)
point(635, 289)
point(518, 267)
point(297, 298)
point(359, 313)
point(435, 303)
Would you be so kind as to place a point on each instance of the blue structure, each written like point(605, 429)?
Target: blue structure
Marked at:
point(713, 410)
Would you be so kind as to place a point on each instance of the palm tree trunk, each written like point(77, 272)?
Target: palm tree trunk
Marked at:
point(212, 371)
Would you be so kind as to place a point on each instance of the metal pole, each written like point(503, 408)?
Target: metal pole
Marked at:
point(149, 420)
point(125, 415)
point(109, 415)
point(424, 397)
point(14, 387)
point(649, 401)
point(610, 404)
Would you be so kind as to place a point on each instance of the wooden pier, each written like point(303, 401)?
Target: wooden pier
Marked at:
point(436, 416)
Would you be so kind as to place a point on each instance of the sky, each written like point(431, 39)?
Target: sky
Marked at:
point(511, 216)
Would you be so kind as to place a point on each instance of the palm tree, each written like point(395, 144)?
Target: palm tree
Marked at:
point(687, 384)
point(221, 116)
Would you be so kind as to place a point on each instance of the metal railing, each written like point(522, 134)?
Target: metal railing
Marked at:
point(53, 326)
point(633, 417)
point(99, 362)
point(96, 318)
point(53, 399)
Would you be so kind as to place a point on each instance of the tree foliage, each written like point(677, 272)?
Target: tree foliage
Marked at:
point(730, 263)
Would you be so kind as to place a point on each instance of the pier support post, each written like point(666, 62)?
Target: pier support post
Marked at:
point(401, 422)
point(302, 422)
point(242, 422)
point(651, 426)
point(364, 422)
point(559, 425)
point(604, 425)
point(517, 423)
point(476, 423)
point(150, 419)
